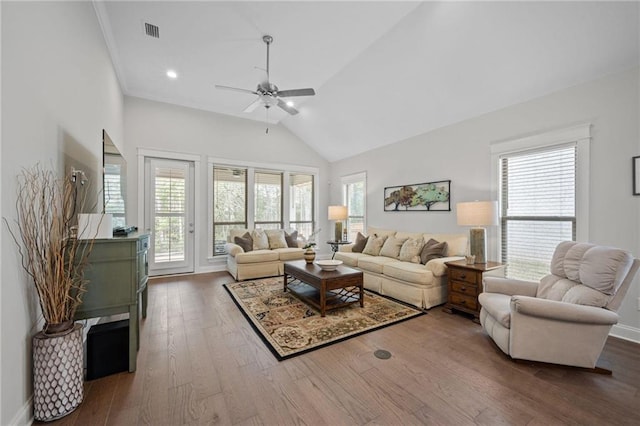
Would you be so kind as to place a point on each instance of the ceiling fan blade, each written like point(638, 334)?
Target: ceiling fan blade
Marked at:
point(236, 89)
point(291, 110)
point(253, 105)
point(296, 92)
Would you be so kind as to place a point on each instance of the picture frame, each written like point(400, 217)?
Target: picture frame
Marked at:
point(427, 197)
point(636, 175)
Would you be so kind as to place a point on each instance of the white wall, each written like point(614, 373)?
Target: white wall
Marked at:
point(460, 152)
point(160, 126)
point(59, 90)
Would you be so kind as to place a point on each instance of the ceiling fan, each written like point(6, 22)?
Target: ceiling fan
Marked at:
point(268, 93)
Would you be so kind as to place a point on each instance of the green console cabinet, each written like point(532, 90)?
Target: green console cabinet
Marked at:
point(117, 275)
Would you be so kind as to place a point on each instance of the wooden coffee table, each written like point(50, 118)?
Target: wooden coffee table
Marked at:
point(324, 290)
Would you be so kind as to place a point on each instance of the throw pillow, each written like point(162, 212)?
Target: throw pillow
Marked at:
point(411, 249)
point(374, 245)
point(361, 241)
point(291, 239)
point(246, 242)
point(433, 250)
point(260, 240)
point(276, 238)
point(391, 247)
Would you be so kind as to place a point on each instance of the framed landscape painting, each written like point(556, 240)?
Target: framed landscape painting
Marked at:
point(428, 197)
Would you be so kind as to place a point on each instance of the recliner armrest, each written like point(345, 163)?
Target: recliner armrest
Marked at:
point(510, 286)
point(562, 311)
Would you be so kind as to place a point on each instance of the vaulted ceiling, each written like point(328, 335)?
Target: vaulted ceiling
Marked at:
point(382, 71)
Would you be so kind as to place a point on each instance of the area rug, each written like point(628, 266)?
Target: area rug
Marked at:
point(289, 327)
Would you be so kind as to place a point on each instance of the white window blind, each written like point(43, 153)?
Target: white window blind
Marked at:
point(538, 200)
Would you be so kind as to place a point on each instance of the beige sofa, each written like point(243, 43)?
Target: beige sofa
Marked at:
point(566, 317)
point(260, 261)
point(423, 286)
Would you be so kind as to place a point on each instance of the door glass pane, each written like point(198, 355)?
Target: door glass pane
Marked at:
point(170, 209)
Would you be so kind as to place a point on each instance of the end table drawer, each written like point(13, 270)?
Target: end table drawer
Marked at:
point(463, 275)
point(462, 300)
point(464, 288)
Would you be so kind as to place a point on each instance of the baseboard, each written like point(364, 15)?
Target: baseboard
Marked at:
point(625, 332)
point(24, 416)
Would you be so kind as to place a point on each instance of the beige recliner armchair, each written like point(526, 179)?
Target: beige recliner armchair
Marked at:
point(566, 317)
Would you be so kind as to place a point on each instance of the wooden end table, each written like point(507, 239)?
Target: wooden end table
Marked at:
point(464, 284)
point(324, 290)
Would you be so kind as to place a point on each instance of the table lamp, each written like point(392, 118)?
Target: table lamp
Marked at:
point(338, 213)
point(478, 214)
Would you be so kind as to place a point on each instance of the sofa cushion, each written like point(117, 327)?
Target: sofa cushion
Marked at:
point(433, 250)
point(349, 258)
point(572, 260)
point(291, 239)
point(456, 243)
point(289, 253)
point(412, 235)
point(391, 247)
point(237, 232)
point(260, 240)
point(257, 256)
point(498, 306)
point(411, 249)
point(374, 263)
point(276, 238)
point(361, 242)
point(583, 295)
point(411, 272)
point(374, 245)
point(604, 268)
point(245, 241)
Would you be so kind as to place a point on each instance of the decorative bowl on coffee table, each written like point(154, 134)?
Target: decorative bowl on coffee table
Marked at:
point(329, 265)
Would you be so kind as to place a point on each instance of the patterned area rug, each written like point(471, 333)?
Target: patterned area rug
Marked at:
point(290, 327)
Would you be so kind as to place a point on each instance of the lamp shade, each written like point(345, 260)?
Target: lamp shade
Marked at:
point(338, 212)
point(478, 213)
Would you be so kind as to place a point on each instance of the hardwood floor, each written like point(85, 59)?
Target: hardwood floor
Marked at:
point(200, 362)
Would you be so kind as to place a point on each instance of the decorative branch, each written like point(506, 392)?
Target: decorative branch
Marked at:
point(50, 252)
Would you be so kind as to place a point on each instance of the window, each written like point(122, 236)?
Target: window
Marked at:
point(113, 196)
point(268, 200)
point(301, 203)
point(354, 189)
point(169, 207)
point(543, 190)
point(229, 204)
point(246, 195)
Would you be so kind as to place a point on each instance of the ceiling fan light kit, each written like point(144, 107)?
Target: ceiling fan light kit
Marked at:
point(268, 94)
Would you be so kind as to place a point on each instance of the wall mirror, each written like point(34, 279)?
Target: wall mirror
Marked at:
point(114, 181)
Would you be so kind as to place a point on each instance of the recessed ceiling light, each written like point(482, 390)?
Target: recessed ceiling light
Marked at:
point(290, 103)
point(172, 74)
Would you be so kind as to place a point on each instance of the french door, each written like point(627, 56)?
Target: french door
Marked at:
point(169, 215)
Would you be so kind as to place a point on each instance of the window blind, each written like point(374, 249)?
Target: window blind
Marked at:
point(538, 200)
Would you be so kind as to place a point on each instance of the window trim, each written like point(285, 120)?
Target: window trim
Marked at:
point(580, 135)
point(251, 167)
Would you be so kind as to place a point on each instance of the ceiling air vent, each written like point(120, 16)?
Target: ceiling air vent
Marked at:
point(151, 30)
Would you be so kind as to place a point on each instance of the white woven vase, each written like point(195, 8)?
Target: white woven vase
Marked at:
point(58, 386)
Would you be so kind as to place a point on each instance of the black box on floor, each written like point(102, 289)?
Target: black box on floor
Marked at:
point(107, 349)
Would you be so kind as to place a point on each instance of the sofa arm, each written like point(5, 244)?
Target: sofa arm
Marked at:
point(509, 286)
point(562, 311)
point(233, 249)
point(347, 247)
point(438, 267)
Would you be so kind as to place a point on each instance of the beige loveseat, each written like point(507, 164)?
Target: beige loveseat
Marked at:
point(421, 285)
point(265, 257)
